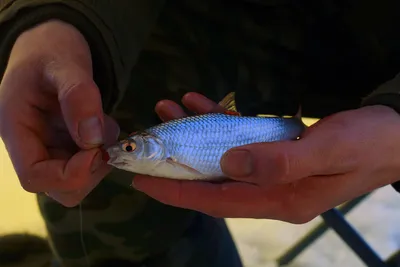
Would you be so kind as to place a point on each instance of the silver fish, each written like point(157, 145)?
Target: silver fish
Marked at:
point(191, 148)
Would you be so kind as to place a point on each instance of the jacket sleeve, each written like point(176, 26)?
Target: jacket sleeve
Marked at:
point(387, 94)
point(115, 31)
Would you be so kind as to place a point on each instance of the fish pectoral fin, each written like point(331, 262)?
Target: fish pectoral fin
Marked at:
point(184, 167)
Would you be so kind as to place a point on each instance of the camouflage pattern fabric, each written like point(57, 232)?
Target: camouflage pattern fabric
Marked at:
point(120, 224)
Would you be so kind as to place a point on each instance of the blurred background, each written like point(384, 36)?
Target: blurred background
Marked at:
point(259, 242)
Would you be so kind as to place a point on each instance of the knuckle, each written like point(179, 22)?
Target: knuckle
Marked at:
point(297, 212)
point(282, 167)
point(66, 87)
point(302, 216)
point(301, 219)
point(217, 211)
point(27, 181)
point(3, 120)
point(70, 203)
point(75, 184)
point(67, 76)
point(68, 200)
point(76, 181)
point(218, 214)
point(28, 186)
point(68, 84)
point(5, 112)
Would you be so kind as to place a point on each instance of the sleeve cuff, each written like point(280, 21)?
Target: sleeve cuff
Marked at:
point(387, 94)
point(27, 17)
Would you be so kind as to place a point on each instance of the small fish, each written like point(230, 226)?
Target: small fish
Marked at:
point(191, 148)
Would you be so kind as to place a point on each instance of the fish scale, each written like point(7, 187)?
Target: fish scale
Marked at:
point(201, 141)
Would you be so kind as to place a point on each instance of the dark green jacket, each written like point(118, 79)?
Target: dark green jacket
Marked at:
point(330, 54)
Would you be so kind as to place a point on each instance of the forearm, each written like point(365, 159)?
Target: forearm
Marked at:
point(115, 33)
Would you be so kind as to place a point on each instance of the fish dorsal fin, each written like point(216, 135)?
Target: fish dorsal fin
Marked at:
point(228, 102)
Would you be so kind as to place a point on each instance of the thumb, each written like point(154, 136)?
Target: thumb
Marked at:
point(273, 163)
point(80, 103)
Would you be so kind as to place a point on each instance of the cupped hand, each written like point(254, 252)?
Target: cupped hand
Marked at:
point(337, 159)
point(51, 117)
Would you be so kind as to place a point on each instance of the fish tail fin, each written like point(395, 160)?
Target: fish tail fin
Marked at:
point(229, 104)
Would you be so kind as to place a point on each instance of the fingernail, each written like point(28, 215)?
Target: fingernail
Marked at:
point(237, 163)
point(97, 161)
point(90, 131)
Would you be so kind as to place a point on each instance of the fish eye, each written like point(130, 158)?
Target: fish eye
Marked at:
point(128, 146)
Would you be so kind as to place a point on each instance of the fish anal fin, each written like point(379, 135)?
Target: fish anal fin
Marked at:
point(186, 168)
point(228, 102)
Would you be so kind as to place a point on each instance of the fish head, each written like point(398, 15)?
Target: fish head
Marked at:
point(139, 153)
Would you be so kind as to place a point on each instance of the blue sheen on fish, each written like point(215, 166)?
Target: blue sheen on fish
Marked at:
point(191, 148)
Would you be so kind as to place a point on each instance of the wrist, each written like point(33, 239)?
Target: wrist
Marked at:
point(51, 29)
point(23, 19)
point(50, 40)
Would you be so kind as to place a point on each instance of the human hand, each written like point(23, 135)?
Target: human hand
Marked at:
point(337, 159)
point(51, 117)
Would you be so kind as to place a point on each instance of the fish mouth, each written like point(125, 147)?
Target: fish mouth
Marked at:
point(116, 163)
point(110, 156)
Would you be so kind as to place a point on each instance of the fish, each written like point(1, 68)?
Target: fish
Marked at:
point(191, 148)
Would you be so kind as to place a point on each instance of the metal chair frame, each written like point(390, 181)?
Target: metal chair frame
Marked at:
point(335, 219)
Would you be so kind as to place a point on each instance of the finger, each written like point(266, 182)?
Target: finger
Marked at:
point(60, 140)
point(200, 104)
point(63, 175)
point(56, 153)
point(74, 198)
point(57, 135)
point(322, 151)
point(169, 110)
point(293, 202)
point(112, 131)
point(267, 163)
point(80, 102)
point(218, 200)
point(24, 142)
point(298, 200)
point(37, 172)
